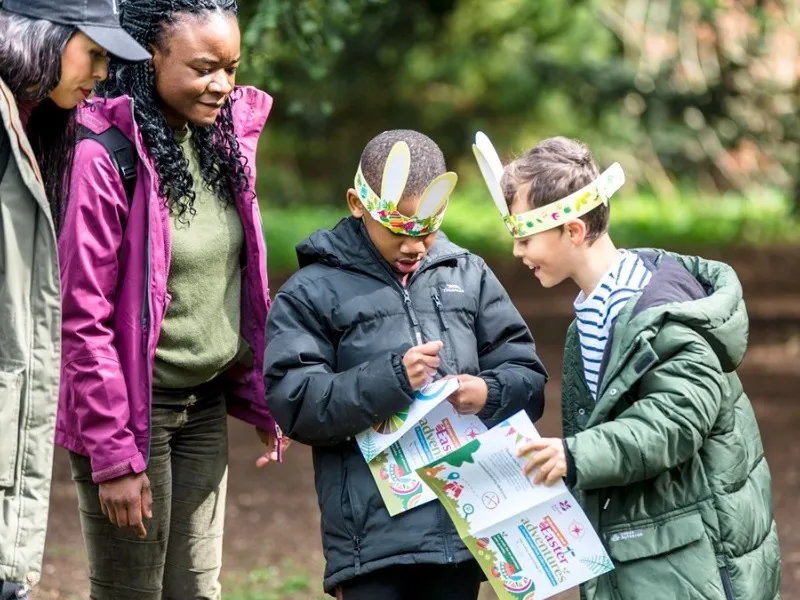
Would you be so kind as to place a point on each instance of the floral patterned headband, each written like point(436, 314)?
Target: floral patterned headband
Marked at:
point(383, 208)
point(551, 215)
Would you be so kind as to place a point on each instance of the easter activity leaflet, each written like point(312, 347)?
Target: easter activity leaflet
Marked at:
point(436, 434)
point(380, 436)
point(532, 541)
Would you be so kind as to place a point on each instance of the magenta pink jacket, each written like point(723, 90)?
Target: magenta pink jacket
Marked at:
point(114, 262)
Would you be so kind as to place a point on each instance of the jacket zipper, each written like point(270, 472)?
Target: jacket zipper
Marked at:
point(727, 584)
point(357, 546)
point(416, 329)
point(356, 532)
point(412, 314)
point(451, 369)
point(437, 302)
point(146, 316)
point(444, 520)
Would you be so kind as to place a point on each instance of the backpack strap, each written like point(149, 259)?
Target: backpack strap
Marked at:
point(121, 151)
point(5, 151)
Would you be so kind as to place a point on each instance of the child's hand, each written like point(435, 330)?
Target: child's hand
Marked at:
point(270, 440)
point(421, 363)
point(548, 456)
point(471, 395)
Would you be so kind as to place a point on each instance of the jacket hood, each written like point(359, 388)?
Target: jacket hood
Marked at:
point(348, 246)
point(704, 295)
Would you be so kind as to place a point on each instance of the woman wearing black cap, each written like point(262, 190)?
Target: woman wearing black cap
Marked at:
point(52, 52)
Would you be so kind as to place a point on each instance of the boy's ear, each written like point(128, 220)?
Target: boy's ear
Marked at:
point(354, 204)
point(576, 230)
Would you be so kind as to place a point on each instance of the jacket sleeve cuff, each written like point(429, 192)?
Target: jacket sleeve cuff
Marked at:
point(402, 377)
point(255, 415)
point(572, 475)
point(135, 464)
point(494, 397)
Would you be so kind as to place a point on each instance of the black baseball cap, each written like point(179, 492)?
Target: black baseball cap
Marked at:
point(98, 19)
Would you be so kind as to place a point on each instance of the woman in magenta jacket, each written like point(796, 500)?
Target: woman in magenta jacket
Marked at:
point(164, 304)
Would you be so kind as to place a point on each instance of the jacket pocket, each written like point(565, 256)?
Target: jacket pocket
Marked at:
point(352, 515)
point(10, 409)
point(454, 316)
point(673, 554)
point(351, 510)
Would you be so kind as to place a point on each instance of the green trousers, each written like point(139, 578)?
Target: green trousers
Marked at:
point(182, 555)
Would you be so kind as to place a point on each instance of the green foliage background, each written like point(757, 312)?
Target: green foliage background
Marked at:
point(696, 98)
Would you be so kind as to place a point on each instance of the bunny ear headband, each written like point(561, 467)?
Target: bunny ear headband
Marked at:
point(551, 215)
point(383, 208)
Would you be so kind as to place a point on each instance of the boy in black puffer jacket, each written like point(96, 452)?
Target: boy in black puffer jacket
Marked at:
point(383, 303)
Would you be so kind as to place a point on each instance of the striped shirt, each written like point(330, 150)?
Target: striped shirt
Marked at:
point(597, 313)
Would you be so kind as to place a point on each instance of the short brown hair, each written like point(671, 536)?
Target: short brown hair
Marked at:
point(552, 170)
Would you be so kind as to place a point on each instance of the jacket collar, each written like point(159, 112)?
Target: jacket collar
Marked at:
point(348, 246)
point(21, 149)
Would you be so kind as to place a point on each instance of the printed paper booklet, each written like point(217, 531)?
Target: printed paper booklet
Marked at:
point(436, 434)
point(380, 436)
point(532, 541)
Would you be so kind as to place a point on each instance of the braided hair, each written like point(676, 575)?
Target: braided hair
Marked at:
point(224, 169)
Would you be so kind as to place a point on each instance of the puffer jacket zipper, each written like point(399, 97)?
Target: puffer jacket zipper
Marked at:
point(416, 328)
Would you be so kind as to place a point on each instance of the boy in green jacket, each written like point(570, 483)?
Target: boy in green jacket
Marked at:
point(661, 444)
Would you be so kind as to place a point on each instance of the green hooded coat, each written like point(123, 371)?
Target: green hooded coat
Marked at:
point(668, 463)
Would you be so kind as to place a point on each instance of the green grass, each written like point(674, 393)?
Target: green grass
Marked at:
point(688, 220)
point(287, 582)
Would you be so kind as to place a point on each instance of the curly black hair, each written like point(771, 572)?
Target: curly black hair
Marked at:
point(224, 169)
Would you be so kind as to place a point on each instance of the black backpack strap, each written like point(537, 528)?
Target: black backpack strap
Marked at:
point(121, 151)
point(5, 150)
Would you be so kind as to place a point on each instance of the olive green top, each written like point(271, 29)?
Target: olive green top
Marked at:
point(200, 336)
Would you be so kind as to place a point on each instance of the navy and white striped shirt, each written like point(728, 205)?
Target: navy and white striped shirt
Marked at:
point(597, 313)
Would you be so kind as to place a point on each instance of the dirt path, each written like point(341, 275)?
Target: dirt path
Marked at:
point(272, 515)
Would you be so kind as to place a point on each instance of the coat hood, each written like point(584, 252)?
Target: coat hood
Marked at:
point(704, 295)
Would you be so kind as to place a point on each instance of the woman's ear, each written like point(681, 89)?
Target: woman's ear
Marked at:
point(354, 204)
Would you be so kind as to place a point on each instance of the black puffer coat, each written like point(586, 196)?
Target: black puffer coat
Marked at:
point(336, 333)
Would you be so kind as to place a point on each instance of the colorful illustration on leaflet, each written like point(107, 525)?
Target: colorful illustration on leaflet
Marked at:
point(520, 439)
point(408, 489)
point(392, 424)
point(517, 585)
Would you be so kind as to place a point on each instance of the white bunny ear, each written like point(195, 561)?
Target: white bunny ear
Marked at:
point(611, 180)
point(395, 172)
point(435, 195)
point(483, 142)
point(492, 181)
